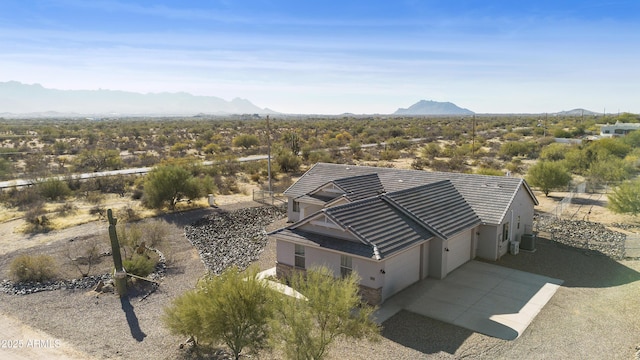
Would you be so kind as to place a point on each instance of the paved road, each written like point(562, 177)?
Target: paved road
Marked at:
point(141, 170)
point(144, 170)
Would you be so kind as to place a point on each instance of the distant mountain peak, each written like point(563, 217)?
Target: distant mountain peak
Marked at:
point(430, 107)
point(578, 111)
point(19, 98)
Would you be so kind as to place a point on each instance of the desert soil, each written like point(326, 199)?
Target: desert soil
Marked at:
point(593, 315)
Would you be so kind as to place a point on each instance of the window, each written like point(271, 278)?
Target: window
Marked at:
point(345, 265)
point(299, 256)
point(518, 223)
point(505, 232)
point(296, 206)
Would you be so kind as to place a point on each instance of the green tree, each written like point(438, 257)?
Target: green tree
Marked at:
point(332, 309)
point(53, 189)
point(5, 169)
point(246, 141)
point(98, 160)
point(431, 150)
point(167, 184)
point(613, 146)
point(554, 152)
point(608, 169)
point(234, 308)
point(625, 199)
point(288, 161)
point(548, 175)
point(518, 148)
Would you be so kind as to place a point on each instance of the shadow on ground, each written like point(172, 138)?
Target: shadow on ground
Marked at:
point(132, 319)
point(184, 218)
point(429, 336)
point(577, 267)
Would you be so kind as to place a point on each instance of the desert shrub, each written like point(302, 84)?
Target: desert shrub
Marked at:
point(98, 210)
point(489, 171)
point(94, 197)
point(53, 189)
point(83, 255)
point(128, 214)
point(29, 268)
point(246, 141)
point(398, 143)
point(37, 219)
point(140, 265)
point(511, 136)
point(389, 154)
point(137, 194)
point(287, 161)
point(561, 133)
point(320, 156)
point(155, 232)
point(419, 163)
point(67, 208)
point(256, 178)
point(455, 164)
point(514, 166)
point(25, 199)
point(226, 185)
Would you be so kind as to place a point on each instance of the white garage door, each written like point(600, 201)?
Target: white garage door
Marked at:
point(401, 271)
point(459, 251)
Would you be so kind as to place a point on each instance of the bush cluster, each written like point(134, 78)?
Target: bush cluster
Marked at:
point(33, 268)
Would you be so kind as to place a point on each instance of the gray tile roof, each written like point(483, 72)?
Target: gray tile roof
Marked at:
point(489, 196)
point(376, 223)
point(439, 205)
point(360, 187)
point(353, 188)
point(324, 241)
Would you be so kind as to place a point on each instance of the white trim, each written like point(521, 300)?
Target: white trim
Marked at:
point(326, 223)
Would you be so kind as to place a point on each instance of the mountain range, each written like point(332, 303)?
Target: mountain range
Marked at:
point(430, 107)
point(19, 98)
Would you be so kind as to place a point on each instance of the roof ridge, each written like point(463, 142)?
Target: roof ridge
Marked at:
point(411, 215)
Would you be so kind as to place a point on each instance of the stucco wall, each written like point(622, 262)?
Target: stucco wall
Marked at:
point(291, 215)
point(368, 270)
point(520, 218)
point(437, 268)
point(373, 296)
point(487, 246)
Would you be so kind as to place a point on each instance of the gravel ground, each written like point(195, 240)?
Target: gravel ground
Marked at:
point(593, 315)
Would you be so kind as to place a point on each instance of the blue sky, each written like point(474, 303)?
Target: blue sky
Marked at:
point(331, 57)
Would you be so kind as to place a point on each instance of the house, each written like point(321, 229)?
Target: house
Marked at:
point(618, 129)
point(396, 227)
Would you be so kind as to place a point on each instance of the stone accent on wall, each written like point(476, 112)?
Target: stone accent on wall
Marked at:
point(370, 295)
point(284, 271)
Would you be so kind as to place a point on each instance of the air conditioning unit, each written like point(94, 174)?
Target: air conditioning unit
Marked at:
point(528, 242)
point(514, 247)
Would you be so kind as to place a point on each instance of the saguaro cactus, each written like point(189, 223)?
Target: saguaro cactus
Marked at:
point(120, 275)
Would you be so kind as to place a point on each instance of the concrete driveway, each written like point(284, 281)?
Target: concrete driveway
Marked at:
point(485, 298)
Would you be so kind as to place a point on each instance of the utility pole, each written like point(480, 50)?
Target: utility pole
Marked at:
point(269, 154)
point(473, 138)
